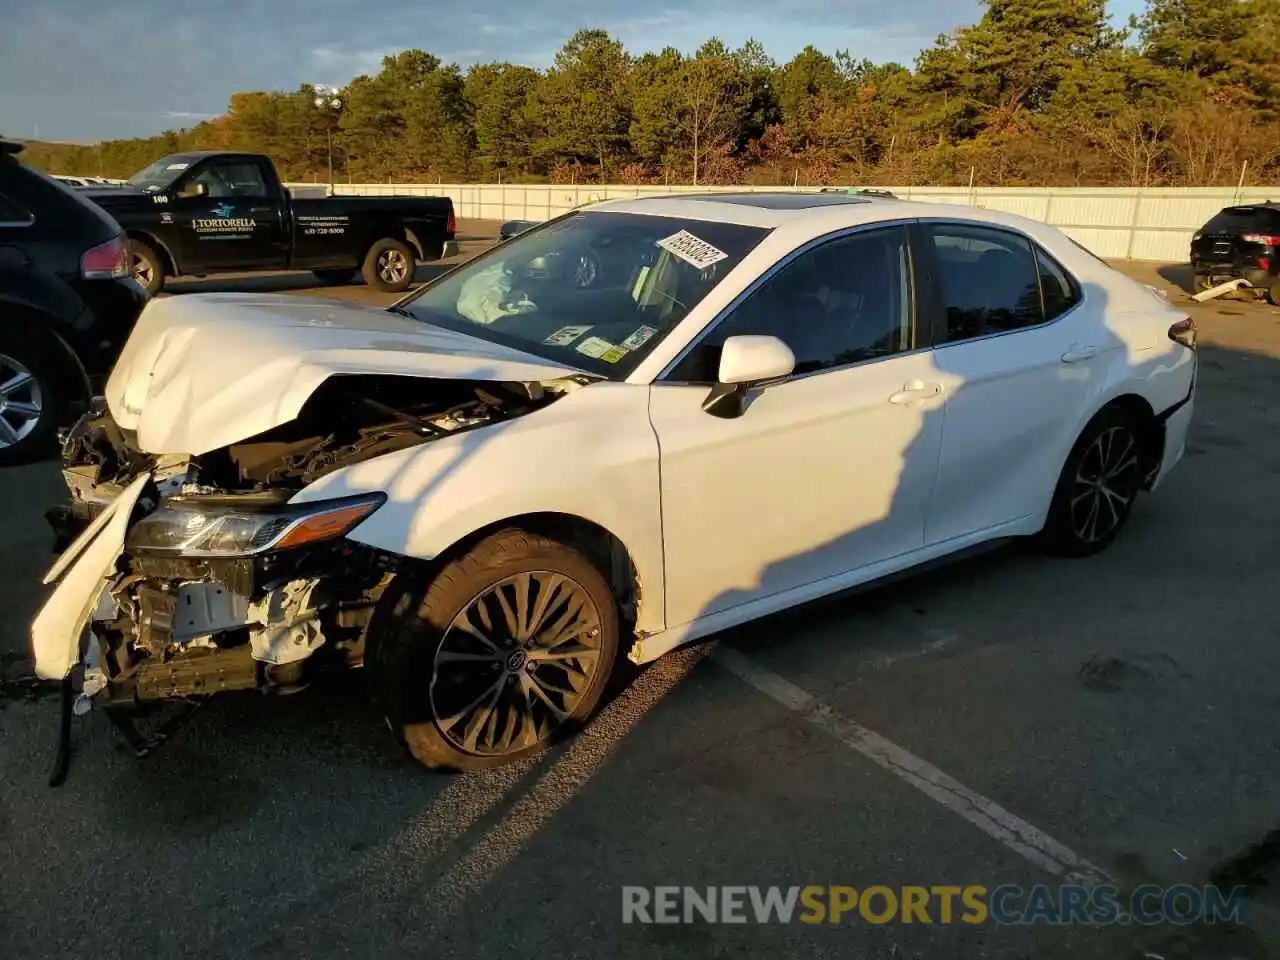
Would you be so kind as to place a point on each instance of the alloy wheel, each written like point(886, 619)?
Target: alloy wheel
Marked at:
point(21, 402)
point(1106, 482)
point(515, 663)
point(143, 271)
point(393, 266)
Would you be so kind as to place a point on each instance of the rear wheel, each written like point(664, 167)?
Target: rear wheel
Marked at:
point(335, 277)
point(148, 266)
point(32, 399)
point(510, 647)
point(1273, 293)
point(1099, 482)
point(389, 266)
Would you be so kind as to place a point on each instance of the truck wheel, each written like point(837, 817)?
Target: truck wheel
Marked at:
point(389, 266)
point(1273, 293)
point(148, 266)
point(508, 648)
point(334, 278)
point(32, 400)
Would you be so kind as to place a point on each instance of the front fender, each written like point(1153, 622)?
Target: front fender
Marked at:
point(592, 454)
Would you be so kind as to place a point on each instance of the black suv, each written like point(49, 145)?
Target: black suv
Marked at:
point(67, 304)
point(1240, 242)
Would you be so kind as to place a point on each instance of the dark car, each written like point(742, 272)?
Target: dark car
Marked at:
point(1241, 242)
point(513, 228)
point(195, 214)
point(67, 304)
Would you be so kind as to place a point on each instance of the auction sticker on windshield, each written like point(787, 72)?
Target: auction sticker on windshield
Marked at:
point(565, 336)
point(639, 338)
point(595, 348)
point(692, 250)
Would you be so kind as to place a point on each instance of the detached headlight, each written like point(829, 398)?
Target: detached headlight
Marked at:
point(241, 527)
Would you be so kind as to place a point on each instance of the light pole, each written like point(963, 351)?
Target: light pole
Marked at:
point(327, 99)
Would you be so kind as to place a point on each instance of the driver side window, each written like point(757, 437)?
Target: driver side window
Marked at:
point(235, 178)
point(843, 302)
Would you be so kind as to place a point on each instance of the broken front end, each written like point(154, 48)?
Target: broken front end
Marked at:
point(184, 576)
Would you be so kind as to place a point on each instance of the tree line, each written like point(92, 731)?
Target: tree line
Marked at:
point(1038, 92)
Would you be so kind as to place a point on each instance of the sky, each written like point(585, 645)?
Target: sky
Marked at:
point(83, 70)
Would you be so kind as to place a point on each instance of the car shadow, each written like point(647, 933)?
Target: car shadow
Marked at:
point(1180, 275)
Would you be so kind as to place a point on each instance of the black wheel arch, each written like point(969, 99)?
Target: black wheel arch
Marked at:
point(37, 327)
point(170, 265)
point(602, 547)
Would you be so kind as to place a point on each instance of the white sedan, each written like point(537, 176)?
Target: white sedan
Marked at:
point(491, 492)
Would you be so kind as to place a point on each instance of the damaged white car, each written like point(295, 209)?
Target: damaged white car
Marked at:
point(492, 492)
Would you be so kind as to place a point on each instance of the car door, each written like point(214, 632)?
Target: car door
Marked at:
point(233, 223)
point(1019, 349)
point(828, 471)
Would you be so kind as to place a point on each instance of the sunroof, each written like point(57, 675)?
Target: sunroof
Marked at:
point(783, 201)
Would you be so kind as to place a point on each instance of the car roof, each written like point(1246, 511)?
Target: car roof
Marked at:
point(806, 215)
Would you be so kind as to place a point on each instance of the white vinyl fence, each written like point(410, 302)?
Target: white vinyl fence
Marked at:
point(1114, 222)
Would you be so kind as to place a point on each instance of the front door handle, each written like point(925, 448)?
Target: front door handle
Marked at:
point(1078, 353)
point(915, 391)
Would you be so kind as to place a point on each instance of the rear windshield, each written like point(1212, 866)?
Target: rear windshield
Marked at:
point(593, 290)
point(1244, 219)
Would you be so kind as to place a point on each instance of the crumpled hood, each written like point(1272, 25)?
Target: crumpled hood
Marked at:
point(202, 371)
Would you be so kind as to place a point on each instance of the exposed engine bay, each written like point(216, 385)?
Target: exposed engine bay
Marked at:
point(223, 584)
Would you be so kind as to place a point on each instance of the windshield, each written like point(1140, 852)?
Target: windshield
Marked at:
point(160, 174)
point(594, 290)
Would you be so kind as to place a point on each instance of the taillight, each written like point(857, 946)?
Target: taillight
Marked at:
point(452, 225)
point(107, 261)
point(1270, 239)
point(1184, 332)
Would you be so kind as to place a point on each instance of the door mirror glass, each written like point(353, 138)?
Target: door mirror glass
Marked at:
point(754, 358)
point(750, 360)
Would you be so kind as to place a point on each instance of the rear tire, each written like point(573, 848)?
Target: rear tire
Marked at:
point(1098, 485)
point(33, 400)
point(148, 266)
point(335, 278)
point(1273, 293)
point(468, 690)
point(389, 266)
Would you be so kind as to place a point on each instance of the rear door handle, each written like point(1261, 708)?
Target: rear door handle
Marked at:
point(915, 391)
point(1077, 354)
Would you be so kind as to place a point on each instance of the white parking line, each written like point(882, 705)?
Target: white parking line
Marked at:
point(988, 816)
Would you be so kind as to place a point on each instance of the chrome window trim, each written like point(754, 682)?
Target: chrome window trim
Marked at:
point(776, 267)
point(1036, 247)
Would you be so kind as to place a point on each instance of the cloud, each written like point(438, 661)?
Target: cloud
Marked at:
point(116, 71)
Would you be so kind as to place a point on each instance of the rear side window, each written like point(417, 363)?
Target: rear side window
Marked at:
point(989, 281)
point(12, 213)
point(1060, 291)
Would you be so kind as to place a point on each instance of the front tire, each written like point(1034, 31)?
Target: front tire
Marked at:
point(32, 401)
point(148, 266)
point(389, 266)
point(1097, 487)
point(510, 647)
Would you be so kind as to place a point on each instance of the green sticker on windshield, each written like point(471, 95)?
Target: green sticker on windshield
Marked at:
point(595, 348)
point(613, 355)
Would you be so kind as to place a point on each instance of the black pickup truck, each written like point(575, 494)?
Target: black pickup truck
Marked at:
point(195, 214)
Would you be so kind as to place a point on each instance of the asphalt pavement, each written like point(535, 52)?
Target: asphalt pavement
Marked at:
point(1007, 719)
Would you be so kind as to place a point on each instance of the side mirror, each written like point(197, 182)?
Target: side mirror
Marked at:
point(747, 362)
point(195, 190)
